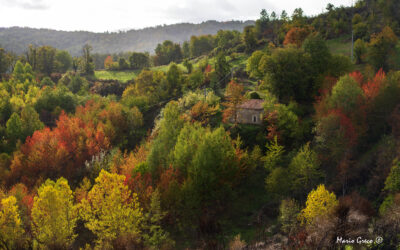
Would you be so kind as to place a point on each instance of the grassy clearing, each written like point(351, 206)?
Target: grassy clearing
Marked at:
point(341, 45)
point(122, 76)
point(164, 68)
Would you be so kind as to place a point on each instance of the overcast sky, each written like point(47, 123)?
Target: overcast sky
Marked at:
point(113, 15)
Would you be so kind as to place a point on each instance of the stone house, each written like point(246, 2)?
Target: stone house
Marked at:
point(251, 112)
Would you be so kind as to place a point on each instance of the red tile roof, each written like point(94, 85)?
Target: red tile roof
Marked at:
point(252, 104)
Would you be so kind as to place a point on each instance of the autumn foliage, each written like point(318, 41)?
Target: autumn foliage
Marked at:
point(296, 36)
point(234, 97)
point(61, 151)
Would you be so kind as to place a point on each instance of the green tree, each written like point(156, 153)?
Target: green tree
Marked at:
point(208, 160)
point(200, 45)
point(253, 64)
point(320, 55)
point(249, 38)
point(169, 129)
point(87, 65)
point(346, 95)
point(30, 121)
point(289, 75)
point(139, 60)
point(54, 215)
point(186, 49)
point(167, 52)
point(123, 64)
point(305, 170)
point(174, 80)
point(14, 128)
point(4, 62)
point(155, 236)
point(19, 72)
point(46, 62)
point(288, 214)
point(274, 155)
point(222, 69)
point(188, 66)
point(392, 183)
point(360, 50)
point(381, 47)
point(63, 61)
point(111, 210)
point(31, 56)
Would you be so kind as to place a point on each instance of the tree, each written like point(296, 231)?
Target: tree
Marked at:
point(320, 203)
point(167, 52)
point(31, 56)
point(61, 151)
point(188, 65)
point(186, 49)
point(139, 60)
point(108, 62)
point(288, 214)
point(4, 62)
point(392, 183)
point(289, 75)
point(298, 19)
point(87, 65)
point(211, 166)
point(222, 69)
point(11, 226)
point(174, 80)
point(54, 215)
point(316, 46)
point(347, 95)
point(46, 60)
point(253, 64)
point(169, 129)
point(155, 237)
point(111, 210)
point(262, 23)
point(30, 122)
point(234, 97)
point(63, 61)
point(360, 50)
point(19, 72)
point(200, 45)
point(381, 47)
point(296, 36)
point(123, 64)
point(274, 155)
point(304, 170)
point(249, 38)
point(14, 128)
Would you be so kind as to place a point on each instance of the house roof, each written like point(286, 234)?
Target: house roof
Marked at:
point(252, 104)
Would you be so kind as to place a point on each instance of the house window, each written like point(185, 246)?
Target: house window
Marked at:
point(254, 118)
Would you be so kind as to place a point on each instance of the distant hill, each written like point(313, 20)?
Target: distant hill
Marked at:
point(17, 39)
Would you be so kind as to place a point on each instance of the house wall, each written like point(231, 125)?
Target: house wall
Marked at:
point(247, 115)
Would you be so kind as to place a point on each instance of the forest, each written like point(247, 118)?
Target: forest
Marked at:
point(279, 136)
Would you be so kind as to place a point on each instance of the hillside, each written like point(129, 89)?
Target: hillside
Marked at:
point(17, 39)
point(275, 137)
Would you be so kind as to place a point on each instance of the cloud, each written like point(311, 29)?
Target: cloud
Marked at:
point(201, 10)
point(26, 4)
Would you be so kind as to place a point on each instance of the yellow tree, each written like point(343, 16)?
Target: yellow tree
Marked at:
point(320, 203)
point(111, 210)
point(54, 215)
point(11, 228)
